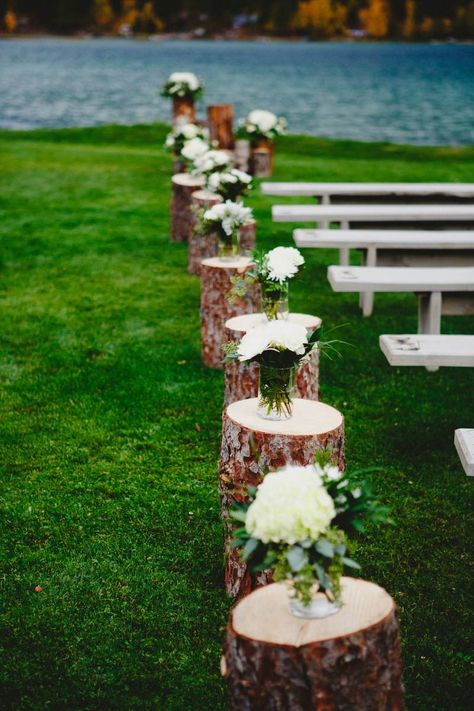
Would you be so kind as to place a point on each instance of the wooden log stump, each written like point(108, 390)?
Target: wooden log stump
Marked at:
point(182, 217)
point(348, 662)
point(183, 110)
point(242, 154)
point(220, 118)
point(262, 162)
point(215, 309)
point(201, 246)
point(250, 443)
point(206, 246)
point(241, 379)
point(179, 166)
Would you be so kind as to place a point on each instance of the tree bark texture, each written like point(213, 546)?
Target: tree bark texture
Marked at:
point(184, 110)
point(220, 118)
point(182, 218)
point(247, 449)
point(215, 309)
point(357, 670)
point(261, 159)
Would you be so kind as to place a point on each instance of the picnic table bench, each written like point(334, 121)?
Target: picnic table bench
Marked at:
point(326, 191)
point(432, 351)
point(464, 443)
point(441, 290)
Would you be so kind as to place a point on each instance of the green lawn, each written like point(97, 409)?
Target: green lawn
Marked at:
point(110, 432)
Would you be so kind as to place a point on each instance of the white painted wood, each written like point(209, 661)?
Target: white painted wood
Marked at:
point(373, 213)
point(367, 297)
point(428, 350)
point(308, 418)
point(264, 614)
point(310, 189)
point(385, 239)
point(357, 279)
point(464, 443)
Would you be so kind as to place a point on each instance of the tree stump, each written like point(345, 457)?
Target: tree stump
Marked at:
point(242, 154)
point(220, 118)
point(204, 246)
point(179, 166)
point(201, 246)
point(182, 218)
point(184, 110)
point(350, 661)
point(241, 379)
point(261, 162)
point(215, 309)
point(250, 443)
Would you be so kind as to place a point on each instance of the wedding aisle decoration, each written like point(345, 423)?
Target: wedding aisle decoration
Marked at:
point(273, 271)
point(230, 185)
point(177, 139)
point(225, 220)
point(279, 347)
point(183, 88)
point(297, 523)
point(209, 162)
point(262, 126)
point(194, 149)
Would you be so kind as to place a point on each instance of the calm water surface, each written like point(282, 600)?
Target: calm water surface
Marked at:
point(420, 94)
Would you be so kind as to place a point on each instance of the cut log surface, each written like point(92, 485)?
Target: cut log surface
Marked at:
point(220, 119)
point(250, 443)
point(182, 217)
point(216, 310)
point(350, 661)
point(241, 379)
point(205, 246)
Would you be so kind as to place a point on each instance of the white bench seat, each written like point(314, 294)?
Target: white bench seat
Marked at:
point(464, 443)
point(384, 239)
point(345, 214)
point(432, 284)
point(432, 351)
point(311, 189)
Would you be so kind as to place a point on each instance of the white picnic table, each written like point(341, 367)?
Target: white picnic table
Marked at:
point(430, 283)
point(328, 190)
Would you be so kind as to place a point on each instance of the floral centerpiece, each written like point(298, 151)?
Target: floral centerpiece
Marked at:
point(273, 270)
point(297, 523)
point(231, 185)
point(182, 85)
point(261, 126)
point(279, 347)
point(225, 220)
point(193, 150)
point(211, 162)
point(179, 137)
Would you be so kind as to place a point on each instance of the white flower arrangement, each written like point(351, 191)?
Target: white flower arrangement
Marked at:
point(291, 505)
point(275, 336)
point(231, 184)
point(263, 124)
point(182, 84)
point(210, 162)
point(281, 264)
point(226, 217)
point(178, 137)
point(194, 149)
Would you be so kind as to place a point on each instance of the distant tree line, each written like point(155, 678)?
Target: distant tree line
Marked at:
point(316, 19)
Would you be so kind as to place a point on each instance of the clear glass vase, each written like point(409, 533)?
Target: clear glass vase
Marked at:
point(275, 392)
point(275, 301)
point(228, 247)
point(318, 608)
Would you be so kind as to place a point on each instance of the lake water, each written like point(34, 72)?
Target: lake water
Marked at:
point(421, 94)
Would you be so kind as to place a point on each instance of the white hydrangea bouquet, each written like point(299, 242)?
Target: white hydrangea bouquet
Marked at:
point(181, 135)
point(297, 524)
point(279, 347)
point(262, 125)
point(273, 270)
point(194, 149)
point(231, 185)
point(182, 85)
point(224, 220)
point(210, 162)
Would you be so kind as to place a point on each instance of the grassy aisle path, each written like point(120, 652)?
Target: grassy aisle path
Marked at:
point(110, 432)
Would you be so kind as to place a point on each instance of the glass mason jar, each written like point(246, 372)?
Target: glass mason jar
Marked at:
point(275, 392)
point(275, 300)
point(228, 246)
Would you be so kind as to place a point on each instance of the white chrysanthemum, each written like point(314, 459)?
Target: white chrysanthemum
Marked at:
point(276, 334)
point(187, 78)
point(216, 181)
point(229, 215)
point(210, 162)
point(263, 120)
point(282, 263)
point(291, 505)
point(194, 149)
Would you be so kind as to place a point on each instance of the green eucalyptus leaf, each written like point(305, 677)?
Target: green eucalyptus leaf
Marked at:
point(297, 558)
point(249, 548)
point(351, 563)
point(324, 547)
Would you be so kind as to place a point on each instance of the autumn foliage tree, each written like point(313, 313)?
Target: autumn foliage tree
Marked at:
point(375, 19)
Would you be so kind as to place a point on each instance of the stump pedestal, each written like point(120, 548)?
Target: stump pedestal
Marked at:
point(241, 379)
point(205, 246)
point(242, 154)
point(261, 162)
point(183, 110)
point(215, 309)
point(250, 443)
point(220, 118)
point(182, 219)
point(348, 662)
